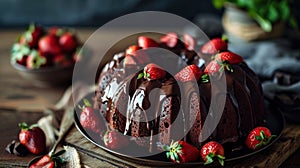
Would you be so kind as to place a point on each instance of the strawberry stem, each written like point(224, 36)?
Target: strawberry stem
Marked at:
point(24, 126)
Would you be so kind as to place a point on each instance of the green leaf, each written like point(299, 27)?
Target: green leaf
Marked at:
point(221, 161)
point(140, 75)
point(273, 14)
point(258, 138)
point(205, 78)
point(209, 160)
point(23, 126)
point(18, 51)
point(264, 24)
point(38, 60)
point(176, 157)
point(168, 154)
point(293, 23)
point(218, 4)
point(147, 75)
point(284, 10)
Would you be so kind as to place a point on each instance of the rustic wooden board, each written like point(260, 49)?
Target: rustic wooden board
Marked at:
point(274, 156)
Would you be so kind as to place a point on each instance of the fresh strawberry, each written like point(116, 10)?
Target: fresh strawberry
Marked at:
point(215, 45)
point(132, 49)
point(115, 140)
point(212, 68)
point(189, 42)
point(146, 42)
point(68, 42)
point(91, 120)
point(181, 152)
point(56, 31)
point(62, 60)
point(32, 36)
point(44, 162)
point(34, 60)
point(49, 45)
point(77, 56)
point(49, 161)
point(33, 138)
point(258, 137)
point(189, 73)
point(23, 61)
point(170, 39)
point(152, 72)
point(229, 57)
point(211, 151)
point(135, 56)
point(130, 60)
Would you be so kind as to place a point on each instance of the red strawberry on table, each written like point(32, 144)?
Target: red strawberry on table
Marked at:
point(181, 152)
point(115, 140)
point(91, 120)
point(49, 45)
point(258, 137)
point(212, 151)
point(170, 39)
point(152, 72)
point(33, 138)
point(49, 161)
point(214, 46)
point(44, 162)
point(146, 42)
point(189, 73)
point(68, 42)
point(229, 57)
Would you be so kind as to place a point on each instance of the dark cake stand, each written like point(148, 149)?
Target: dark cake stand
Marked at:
point(274, 121)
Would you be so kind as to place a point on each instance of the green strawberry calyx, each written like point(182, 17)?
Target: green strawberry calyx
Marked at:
point(225, 65)
point(25, 126)
point(57, 159)
point(264, 140)
point(225, 38)
point(86, 103)
point(38, 60)
point(172, 151)
point(211, 157)
point(18, 51)
point(144, 74)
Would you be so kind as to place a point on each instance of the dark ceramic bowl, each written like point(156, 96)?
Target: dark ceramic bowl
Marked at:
point(46, 76)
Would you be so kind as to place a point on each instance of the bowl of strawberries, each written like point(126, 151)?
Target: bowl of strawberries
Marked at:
point(46, 56)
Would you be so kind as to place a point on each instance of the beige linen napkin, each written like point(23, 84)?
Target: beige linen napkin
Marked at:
point(52, 121)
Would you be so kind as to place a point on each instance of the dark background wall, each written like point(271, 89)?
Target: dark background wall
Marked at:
point(18, 13)
point(91, 12)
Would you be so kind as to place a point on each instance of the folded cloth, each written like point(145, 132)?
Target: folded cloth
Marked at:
point(267, 57)
point(50, 124)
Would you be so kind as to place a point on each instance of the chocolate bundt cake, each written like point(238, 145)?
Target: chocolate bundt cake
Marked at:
point(155, 107)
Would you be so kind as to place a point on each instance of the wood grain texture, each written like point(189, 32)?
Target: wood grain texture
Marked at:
point(274, 156)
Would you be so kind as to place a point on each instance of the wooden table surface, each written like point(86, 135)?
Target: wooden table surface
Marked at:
point(20, 101)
